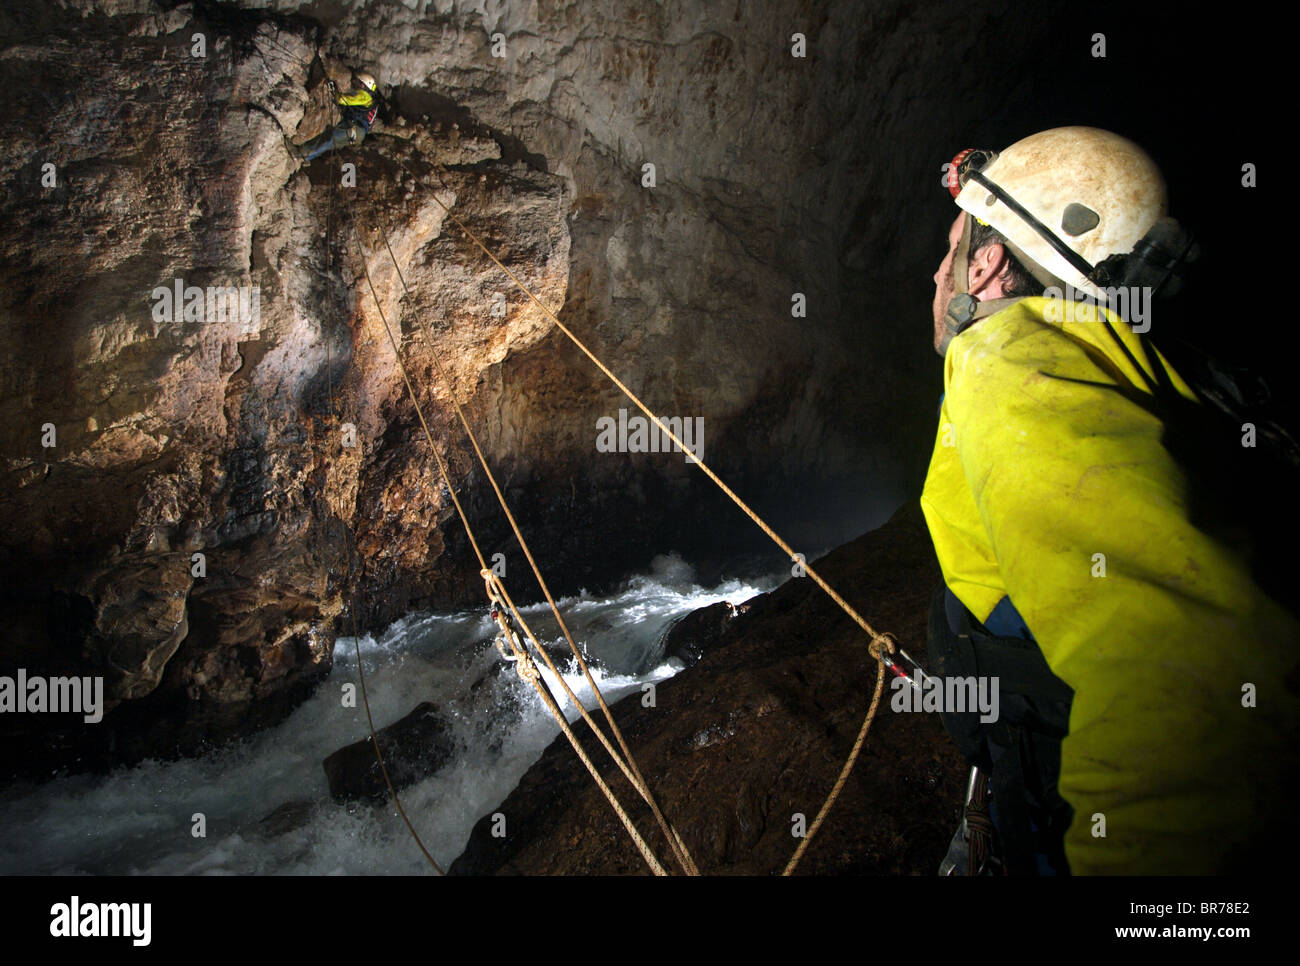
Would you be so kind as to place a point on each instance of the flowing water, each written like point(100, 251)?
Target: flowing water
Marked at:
point(140, 820)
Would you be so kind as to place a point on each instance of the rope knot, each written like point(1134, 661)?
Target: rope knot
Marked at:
point(527, 669)
point(885, 643)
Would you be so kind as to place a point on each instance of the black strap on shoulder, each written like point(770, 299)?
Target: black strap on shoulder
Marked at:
point(1017, 663)
point(1029, 692)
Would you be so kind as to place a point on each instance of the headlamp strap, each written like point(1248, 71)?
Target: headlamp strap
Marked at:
point(961, 260)
point(961, 306)
point(1073, 258)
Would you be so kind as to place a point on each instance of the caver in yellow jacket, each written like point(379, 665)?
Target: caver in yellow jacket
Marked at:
point(1036, 484)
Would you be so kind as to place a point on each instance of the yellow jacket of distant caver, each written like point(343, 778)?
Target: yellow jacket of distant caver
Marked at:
point(1035, 483)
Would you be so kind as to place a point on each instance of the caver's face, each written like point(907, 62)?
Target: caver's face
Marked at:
point(943, 281)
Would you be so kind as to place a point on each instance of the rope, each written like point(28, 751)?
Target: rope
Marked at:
point(762, 524)
point(356, 640)
point(630, 769)
point(876, 650)
point(374, 739)
point(979, 824)
point(877, 641)
point(527, 670)
point(503, 597)
point(654, 864)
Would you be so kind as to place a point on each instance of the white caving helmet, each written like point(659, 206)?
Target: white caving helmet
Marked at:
point(366, 80)
point(1088, 194)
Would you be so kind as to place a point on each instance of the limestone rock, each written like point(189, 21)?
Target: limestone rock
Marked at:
point(140, 619)
point(147, 411)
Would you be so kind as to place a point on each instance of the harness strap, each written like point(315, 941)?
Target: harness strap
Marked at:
point(1020, 752)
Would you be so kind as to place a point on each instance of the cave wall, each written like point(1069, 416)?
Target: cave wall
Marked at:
point(775, 175)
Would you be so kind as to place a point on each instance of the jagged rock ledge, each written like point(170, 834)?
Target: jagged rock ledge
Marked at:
point(756, 732)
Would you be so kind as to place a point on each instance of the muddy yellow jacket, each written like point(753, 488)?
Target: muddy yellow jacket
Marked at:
point(361, 98)
point(1060, 495)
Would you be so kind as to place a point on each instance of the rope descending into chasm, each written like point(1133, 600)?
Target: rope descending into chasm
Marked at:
point(511, 623)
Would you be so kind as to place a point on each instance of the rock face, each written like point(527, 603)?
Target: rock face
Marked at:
point(199, 489)
point(413, 748)
point(739, 745)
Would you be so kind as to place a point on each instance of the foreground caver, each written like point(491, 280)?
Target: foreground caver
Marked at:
point(1149, 685)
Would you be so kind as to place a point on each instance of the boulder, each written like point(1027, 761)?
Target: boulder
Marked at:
point(414, 748)
point(688, 637)
point(289, 817)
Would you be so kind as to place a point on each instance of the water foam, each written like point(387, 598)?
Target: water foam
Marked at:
point(139, 820)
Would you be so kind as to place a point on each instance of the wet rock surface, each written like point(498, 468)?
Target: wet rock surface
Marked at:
point(753, 735)
point(687, 638)
point(287, 818)
point(413, 748)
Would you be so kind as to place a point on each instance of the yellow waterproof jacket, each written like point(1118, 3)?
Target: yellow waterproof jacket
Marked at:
point(360, 107)
point(1060, 495)
point(361, 98)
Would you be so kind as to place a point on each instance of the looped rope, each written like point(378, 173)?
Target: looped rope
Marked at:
point(527, 670)
point(981, 831)
point(882, 642)
point(879, 646)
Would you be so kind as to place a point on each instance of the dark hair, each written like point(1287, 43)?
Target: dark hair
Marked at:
point(1019, 280)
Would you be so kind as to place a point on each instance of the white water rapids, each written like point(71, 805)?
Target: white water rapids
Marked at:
point(139, 820)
